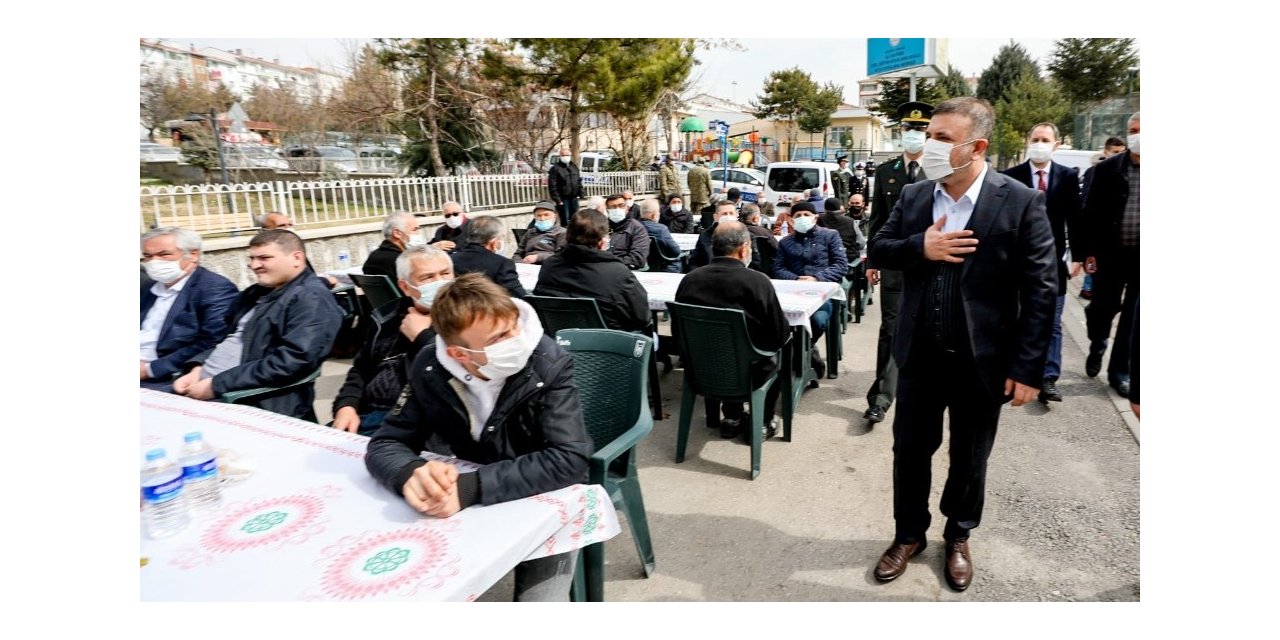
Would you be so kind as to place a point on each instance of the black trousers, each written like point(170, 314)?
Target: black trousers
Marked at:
point(566, 209)
point(930, 382)
point(735, 410)
point(885, 386)
point(1115, 288)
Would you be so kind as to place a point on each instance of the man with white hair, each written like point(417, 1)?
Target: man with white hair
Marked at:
point(184, 305)
point(453, 233)
point(485, 253)
point(399, 231)
point(597, 203)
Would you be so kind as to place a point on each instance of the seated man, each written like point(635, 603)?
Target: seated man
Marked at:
point(586, 269)
point(277, 220)
point(751, 216)
point(486, 241)
point(500, 394)
point(702, 253)
point(812, 254)
point(453, 233)
point(627, 238)
point(399, 231)
point(633, 207)
point(727, 283)
point(284, 327)
point(184, 306)
point(543, 238)
point(381, 369)
point(660, 240)
point(676, 218)
point(850, 236)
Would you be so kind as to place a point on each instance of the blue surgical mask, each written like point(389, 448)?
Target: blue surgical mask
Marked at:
point(544, 225)
point(427, 292)
point(805, 223)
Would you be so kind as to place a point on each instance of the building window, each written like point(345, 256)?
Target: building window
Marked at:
point(869, 87)
point(835, 134)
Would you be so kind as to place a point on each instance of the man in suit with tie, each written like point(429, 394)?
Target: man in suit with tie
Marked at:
point(184, 305)
point(891, 178)
point(1061, 186)
point(976, 253)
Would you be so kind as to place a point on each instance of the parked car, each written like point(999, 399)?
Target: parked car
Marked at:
point(152, 152)
point(793, 178)
point(379, 160)
point(254, 156)
point(746, 180)
point(321, 159)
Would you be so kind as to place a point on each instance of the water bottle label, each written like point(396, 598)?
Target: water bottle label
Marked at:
point(163, 492)
point(201, 471)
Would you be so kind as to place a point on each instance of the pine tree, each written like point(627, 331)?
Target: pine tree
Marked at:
point(1007, 67)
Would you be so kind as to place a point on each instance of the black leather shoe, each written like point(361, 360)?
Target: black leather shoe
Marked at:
point(729, 428)
point(1049, 392)
point(1093, 363)
point(957, 566)
point(874, 414)
point(819, 366)
point(894, 561)
point(1121, 385)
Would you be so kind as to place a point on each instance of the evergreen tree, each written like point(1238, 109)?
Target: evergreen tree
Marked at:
point(1007, 67)
point(1092, 69)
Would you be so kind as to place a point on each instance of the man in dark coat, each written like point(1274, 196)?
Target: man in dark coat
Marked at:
point(817, 255)
point(183, 305)
point(452, 235)
point(727, 283)
point(564, 181)
point(891, 178)
point(499, 393)
point(282, 330)
point(1061, 186)
point(1110, 247)
point(399, 230)
point(676, 217)
point(585, 269)
point(627, 237)
point(850, 236)
point(664, 253)
point(483, 254)
point(979, 282)
point(543, 238)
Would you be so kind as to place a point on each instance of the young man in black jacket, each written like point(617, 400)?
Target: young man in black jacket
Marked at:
point(500, 394)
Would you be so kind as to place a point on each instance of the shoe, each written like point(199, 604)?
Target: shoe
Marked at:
point(770, 429)
point(957, 566)
point(813, 384)
point(1093, 363)
point(874, 414)
point(729, 428)
point(894, 561)
point(819, 366)
point(1121, 385)
point(1049, 392)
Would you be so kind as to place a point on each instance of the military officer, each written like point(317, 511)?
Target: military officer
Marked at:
point(842, 180)
point(860, 183)
point(891, 177)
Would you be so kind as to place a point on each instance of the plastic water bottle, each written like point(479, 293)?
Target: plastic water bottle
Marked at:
point(200, 474)
point(784, 227)
point(164, 502)
point(344, 258)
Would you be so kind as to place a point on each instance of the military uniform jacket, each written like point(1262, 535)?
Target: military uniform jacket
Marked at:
point(891, 177)
point(841, 181)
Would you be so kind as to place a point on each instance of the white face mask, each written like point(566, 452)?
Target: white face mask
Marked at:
point(163, 271)
point(805, 223)
point(1039, 152)
point(677, 208)
point(565, 159)
point(617, 215)
point(859, 173)
point(416, 240)
point(728, 218)
point(913, 141)
point(629, 203)
point(505, 358)
point(937, 159)
point(501, 248)
point(427, 293)
point(1132, 139)
point(453, 222)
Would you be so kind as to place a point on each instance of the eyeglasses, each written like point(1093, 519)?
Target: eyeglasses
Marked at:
point(451, 215)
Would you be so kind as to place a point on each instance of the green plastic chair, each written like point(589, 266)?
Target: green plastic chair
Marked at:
point(717, 355)
point(610, 371)
point(378, 290)
point(237, 397)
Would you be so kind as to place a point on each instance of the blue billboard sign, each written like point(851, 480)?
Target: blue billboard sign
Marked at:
point(894, 54)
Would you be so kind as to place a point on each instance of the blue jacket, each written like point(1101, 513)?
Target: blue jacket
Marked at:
point(819, 253)
point(197, 320)
point(660, 238)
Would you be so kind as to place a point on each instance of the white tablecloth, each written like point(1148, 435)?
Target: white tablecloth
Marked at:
point(311, 524)
point(799, 299)
point(344, 275)
point(687, 241)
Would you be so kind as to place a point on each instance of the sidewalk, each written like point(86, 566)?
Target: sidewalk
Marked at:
point(1061, 519)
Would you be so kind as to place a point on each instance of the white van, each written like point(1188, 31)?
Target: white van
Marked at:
point(1081, 159)
point(792, 179)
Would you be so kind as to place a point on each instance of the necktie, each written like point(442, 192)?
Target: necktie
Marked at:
point(1043, 186)
point(911, 171)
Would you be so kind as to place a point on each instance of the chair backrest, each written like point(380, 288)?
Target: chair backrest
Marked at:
point(378, 290)
point(610, 370)
point(566, 313)
point(715, 349)
point(762, 253)
point(519, 233)
point(658, 260)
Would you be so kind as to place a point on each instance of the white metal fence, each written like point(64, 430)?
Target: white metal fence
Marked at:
point(231, 208)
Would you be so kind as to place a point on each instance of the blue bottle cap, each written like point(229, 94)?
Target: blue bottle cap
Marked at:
point(155, 454)
point(192, 437)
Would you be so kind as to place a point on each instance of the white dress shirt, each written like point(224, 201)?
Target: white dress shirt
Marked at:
point(1035, 179)
point(957, 213)
point(151, 325)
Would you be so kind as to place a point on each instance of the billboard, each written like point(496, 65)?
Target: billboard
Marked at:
point(887, 55)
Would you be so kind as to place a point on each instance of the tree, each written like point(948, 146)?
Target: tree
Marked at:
point(641, 76)
point(896, 91)
point(1008, 66)
point(1028, 102)
point(368, 101)
point(816, 109)
point(283, 107)
point(1092, 69)
point(954, 84)
point(792, 97)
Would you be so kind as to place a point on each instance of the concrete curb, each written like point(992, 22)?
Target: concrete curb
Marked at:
point(1073, 323)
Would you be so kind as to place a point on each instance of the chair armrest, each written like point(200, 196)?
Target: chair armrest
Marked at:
point(601, 459)
point(232, 397)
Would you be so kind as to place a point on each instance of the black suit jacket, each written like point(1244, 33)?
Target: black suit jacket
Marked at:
point(197, 320)
point(1105, 208)
point(1007, 286)
point(1062, 203)
point(382, 261)
point(475, 258)
point(725, 283)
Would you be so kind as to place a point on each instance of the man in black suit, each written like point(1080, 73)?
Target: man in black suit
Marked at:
point(1061, 186)
point(486, 242)
point(891, 178)
point(977, 257)
point(727, 283)
point(1110, 248)
point(399, 231)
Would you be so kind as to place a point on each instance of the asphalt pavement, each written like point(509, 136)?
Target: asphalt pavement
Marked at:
point(1061, 521)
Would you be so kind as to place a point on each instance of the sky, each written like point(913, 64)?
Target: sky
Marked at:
point(842, 61)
